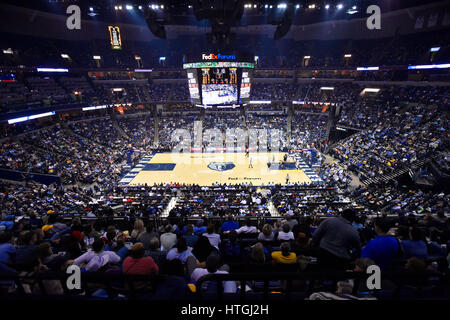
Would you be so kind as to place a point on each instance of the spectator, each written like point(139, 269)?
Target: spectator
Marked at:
point(337, 241)
point(248, 228)
point(415, 246)
point(137, 263)
point(191, 238)
point(284, 256)
point(214, 238)
point(285, 234)
point(155, 252)
point(7, 250)
point(203, 249)
point(97, 258)
point(168, 239)
point(147, 235)
point(384, 248)
point(139, 229)
point(257, 254)
point(229, 224)
point(266, 234)
point(212, 267)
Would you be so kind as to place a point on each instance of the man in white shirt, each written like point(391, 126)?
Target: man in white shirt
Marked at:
point(168, 239)
point(285, 233)
point(96, 258)
point(214, 238)
point(248, 228)
point(212, 266)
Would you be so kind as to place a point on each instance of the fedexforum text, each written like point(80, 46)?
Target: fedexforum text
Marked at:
point(231, 309)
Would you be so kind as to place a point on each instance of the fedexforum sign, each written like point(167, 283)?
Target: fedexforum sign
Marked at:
point(218, 56)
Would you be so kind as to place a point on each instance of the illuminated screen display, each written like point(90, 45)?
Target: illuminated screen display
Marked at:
point(214, 94)
point(193, 85)
point(219, 64)
point(219, 76)
point(245, 85)
point(115, 38)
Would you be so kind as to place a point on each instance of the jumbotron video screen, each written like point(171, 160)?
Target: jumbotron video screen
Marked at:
point(219, 83)
point(219, 86)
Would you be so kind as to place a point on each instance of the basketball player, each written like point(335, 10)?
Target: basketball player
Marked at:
point(250, 165)
point(287, 178)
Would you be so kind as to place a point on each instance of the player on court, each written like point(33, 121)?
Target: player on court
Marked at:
point(251, 163)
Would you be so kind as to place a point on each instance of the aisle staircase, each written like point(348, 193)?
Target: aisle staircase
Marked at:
point(397, 173)
point(272, 209)
point(170, 206)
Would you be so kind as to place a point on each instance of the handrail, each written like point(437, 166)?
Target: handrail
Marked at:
point(115, 284)
point(312, 277)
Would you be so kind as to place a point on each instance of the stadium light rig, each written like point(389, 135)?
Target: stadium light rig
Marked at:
point(435, 49)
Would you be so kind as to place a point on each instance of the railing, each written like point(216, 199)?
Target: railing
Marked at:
point(145, 287)
point(411, 280)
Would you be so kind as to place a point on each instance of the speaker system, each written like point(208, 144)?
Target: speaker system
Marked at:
point(286, 22)
point(156, 27)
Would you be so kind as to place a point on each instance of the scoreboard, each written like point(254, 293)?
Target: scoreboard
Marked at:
point(219, 83)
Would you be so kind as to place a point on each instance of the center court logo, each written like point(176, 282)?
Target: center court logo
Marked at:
point(221, 166)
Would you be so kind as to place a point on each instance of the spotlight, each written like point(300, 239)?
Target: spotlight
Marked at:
point(120, 7)
point(354, 7)
point(340, 6)
point(312, 6)
point(327, 6)
point(129, 7)
point(266, 6)
point(297, 6)
point(91, 9)
point(140, 7)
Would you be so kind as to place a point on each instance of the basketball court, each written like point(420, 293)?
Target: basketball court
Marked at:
point(206, 169)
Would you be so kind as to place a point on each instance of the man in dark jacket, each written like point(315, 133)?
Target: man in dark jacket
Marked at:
point(337, 240)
